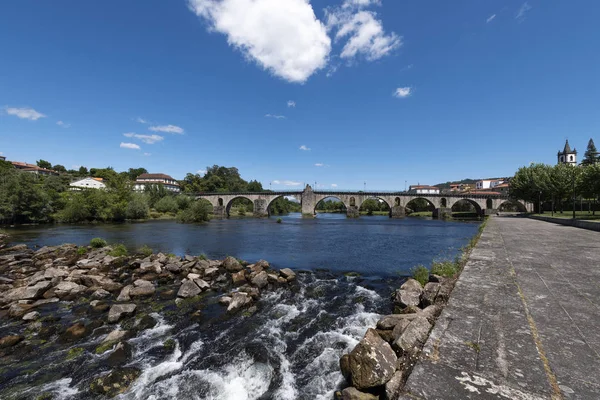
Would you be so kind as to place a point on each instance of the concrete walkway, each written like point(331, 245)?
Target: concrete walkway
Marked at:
point(523, 321)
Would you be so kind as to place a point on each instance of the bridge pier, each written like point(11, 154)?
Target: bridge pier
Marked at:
point(398, 212)
point(260, 208)
point(219, 212)
point(442, 213)
point(352, 212)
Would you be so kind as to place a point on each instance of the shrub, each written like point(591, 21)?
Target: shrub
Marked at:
point(445, 268)
point(183, 202)
point(98, 243)
point(241, 211)
point(118, 250)
point(420, 274)
point(137, 207)
point(279, 220)
point(197, 212)
point(81, 251)
point(145, 250)
point(167, 204)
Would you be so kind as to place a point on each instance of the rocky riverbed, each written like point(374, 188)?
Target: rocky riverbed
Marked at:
point(81, 322)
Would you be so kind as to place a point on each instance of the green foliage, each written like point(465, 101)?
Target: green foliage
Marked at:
point(167, 204)
point(133, 173)
point(154, 193)
point(202, 257)
point(22, 198)
point(44, 164)
point(118, 250)
point(59, 168)
point(81, 251)
point(591, 155)
point(279, 220)
point(445, 268)
point(374, 205)
point(419, 205)
point(97, 243)
point(241, 211)
point(145, 250)
point(138, 207)
point(219, 179)
point(281, 205)
point(330, 204)
point(421, 274)
point(183, 202)
point(197, 212)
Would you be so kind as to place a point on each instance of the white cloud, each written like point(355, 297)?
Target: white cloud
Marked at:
point(282, 36)
point(291, 103)
point(141, 120)
point(303, 147)
point(522, 11)
point(365, 34)
point(201, 172)
point(63, 124)
point(274, 116)
point(360, 3)
point(132, 146)
point(490, 19)
point(167, 129)
point(403, 92)
point(319, 165)
point(149, 139)
point(24, 113)
point(1, 153)
point(286, 183)
point(147, 154)
point(334, 185)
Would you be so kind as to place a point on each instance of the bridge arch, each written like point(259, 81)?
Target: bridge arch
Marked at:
point(319, 200)
point(272, 201)
point(232, 199)
point(455, 207)
point(512, 205)
point(380, 200)
point(419, 204)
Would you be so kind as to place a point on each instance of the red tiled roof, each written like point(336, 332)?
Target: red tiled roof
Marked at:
point(155, 176)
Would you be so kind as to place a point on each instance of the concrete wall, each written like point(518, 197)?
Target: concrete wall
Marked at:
point(591, 225)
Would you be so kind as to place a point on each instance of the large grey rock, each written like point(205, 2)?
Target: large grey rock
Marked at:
point(390, 321)
point(393, 386)
point(66, 288)
point(409, 293)
point(288, 274)
point(118, 311)
point(351, 393)
point(31, 316)
point(115, 336)
point(28, 292)
point(239, 278)
point(142, 290)
point(173, 267)
point(371, 363)
point(432, 312)
point(188, 289)
point(100, 281)
point(125, 293)
point(430, 292)
point(100, 294)
point(414, 336)
point(211, 272)
point(202, 284)
point(238, 300)
point(88, 264)
point(232, 265)
point(153, 266)
point(400, 328)
point(260, 280)
point(52, 273)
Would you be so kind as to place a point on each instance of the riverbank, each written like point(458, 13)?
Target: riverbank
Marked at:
point(593, 225)
point(522, 321)
point(377, 368)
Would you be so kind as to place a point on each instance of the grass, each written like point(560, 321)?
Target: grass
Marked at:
point(375, 213)
point(82, 250)
point(118, 250)
point(421, 274)
point(98, 243)
point(421, 214)
point(145, 250)
point(585, 215)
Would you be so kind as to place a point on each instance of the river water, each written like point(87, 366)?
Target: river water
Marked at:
point(289, 349)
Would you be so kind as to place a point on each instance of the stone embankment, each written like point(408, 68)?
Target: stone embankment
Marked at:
point(113, 288)
point(378, 366)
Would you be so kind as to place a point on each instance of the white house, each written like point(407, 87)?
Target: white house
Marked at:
point(87, 183)
point(423, 189)
point(488, 183)
point(156, 179)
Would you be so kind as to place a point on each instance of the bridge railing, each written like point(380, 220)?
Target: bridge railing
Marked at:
point(359, 193)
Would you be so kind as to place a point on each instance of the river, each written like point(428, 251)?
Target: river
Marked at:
point(289, 349)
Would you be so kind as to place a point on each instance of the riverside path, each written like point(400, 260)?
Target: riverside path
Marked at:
point(523, 321)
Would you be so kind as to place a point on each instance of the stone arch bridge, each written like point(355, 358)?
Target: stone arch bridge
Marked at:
point(397, 201)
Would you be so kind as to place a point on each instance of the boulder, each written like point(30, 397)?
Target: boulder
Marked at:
point(118, 311)
point(239, 278)
point(66, 288)
point(188, 289)
point(211, 272)
point(125, 293)
point(146, 322)
point(238, 300)
point(173, 267)
point(120, 354)
point(414, 336)
point(9, 341)
point(400, 328)
point(74, 333)
point(225, 300)
point(115, 382)
point(114, 336)
point(409, 294)
point(100, 294)
point(88, 264)
point(100, 281)
point(288, 274)
point(27, 292)
point(18, 310)
point(232, 265)
point(430, 292)
point(444, 293)
point(393, 386)
point(432, 312)
point(260, 280)
point(390, 321)
point(142, 288)
point(202, 284)
point(52, 273)
point(153, 266)
point(371, 363)
point(31, 316)
point(351, 393)
point(193, 276)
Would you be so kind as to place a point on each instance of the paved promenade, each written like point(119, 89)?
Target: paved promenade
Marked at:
point(523, 321)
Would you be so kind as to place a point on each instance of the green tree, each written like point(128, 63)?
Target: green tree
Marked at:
point(255, 186)
point(167, 204)
point(591, 155)
point(197, 212)
point(133, 173)
point(59, 168)
point(83, 171)
point(137, 207)
point(44, 164)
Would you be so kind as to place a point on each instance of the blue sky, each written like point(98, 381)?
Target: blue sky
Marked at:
point(383, 91)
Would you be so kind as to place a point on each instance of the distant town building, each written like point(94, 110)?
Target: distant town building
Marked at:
point(32, 168)
point(503, 188)
point(423, 189)
point(486, 184)
point(2, 158)
point(87, 183)
point(156, 179)
point(567, 156)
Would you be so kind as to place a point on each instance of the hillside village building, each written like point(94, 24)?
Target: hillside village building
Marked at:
point(87, 183)
point(166, 181)
point(567, 156)
point(423, 189)
point(33, 169)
